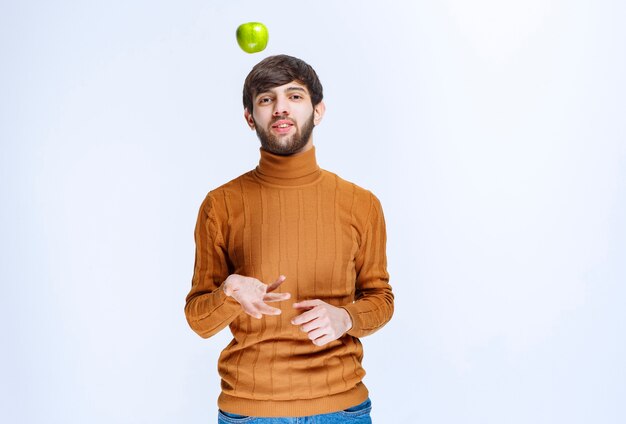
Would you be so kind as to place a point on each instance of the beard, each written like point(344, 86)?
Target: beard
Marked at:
point(285, 145)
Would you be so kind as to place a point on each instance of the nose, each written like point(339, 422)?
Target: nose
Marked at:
point(280, 107)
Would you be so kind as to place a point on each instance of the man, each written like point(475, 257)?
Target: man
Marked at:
point(316, 239)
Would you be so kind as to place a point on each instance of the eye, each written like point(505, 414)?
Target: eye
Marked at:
point(264, 100)
point(296, 97)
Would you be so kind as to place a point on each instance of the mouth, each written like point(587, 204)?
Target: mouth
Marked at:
point(282, 126)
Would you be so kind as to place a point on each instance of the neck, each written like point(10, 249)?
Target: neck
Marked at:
point(292, 170)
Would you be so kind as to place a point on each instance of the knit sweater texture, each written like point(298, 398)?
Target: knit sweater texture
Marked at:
point(327, 236)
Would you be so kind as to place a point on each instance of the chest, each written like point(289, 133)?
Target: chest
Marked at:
point(308, 233)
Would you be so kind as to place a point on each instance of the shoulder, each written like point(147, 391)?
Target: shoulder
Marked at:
point(361, 201)
point(361, 195)
point(217, 198)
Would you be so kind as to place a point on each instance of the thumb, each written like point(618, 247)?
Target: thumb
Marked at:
point(307, 304)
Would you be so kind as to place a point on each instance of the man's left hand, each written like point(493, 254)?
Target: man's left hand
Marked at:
point(321, 321)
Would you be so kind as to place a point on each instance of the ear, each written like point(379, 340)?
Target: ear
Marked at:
point(318, 112)
point(248, 117)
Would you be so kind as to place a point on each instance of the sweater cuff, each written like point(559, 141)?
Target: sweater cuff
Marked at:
point(227, 301)
point(355, 330)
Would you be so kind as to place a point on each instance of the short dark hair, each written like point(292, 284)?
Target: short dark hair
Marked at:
point(274, 71)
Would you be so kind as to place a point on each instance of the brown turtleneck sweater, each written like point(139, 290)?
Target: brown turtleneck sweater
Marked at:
point(327, 236)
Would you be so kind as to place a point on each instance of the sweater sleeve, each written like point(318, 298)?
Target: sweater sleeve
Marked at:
point(208, 310)
point(373, 305)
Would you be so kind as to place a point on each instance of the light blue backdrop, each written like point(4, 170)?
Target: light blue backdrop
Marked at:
point(493, 132)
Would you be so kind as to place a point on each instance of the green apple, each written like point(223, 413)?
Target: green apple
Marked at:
point(252, 37)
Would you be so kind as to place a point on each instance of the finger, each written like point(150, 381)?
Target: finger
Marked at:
point(307, 304)
point(251, 310)
point(305, 317)
point(266, 309)
point(317, 333)
point(323, 340)
point(310, 326)
point(276, 297)
point(276, 283)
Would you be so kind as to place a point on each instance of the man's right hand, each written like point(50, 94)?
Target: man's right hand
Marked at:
point(252, 294)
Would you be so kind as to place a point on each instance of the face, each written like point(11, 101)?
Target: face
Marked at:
point(284, 117)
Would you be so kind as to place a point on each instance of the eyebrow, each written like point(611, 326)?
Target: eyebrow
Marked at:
point(292, 88)
point(295, 89)
point(287, 90)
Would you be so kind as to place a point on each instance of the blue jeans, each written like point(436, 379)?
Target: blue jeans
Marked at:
point(359, 414)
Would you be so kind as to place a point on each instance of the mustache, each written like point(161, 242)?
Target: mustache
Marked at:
point(282, 118)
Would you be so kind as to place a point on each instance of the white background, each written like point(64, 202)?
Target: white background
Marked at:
point(493, 132)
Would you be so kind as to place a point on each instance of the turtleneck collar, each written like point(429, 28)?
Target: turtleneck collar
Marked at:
point(292, 170)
